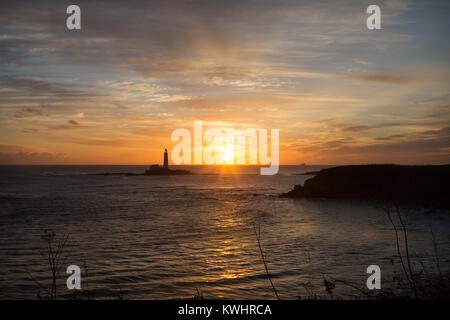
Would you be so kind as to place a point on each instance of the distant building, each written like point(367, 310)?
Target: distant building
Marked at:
point(166, 160)
point(153, 168)
point(156, 169)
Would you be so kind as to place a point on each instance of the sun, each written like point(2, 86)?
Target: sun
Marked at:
point(228, 155)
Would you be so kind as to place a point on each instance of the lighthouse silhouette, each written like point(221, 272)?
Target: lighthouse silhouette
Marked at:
point(166, 160)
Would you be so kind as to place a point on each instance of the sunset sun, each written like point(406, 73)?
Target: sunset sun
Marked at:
point(228, 155)
point(238, 153)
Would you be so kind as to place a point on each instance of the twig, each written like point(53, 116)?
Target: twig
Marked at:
point(405, 235)
point(397, 241)
point(436, 255)
point(264, 260)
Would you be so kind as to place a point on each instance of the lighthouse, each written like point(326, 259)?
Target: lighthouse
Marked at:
point(166, 160)
point(157, 170)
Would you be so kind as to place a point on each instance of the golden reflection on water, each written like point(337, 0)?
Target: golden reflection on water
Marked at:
point(226, 262)
point(230, 171)
point(225, 256)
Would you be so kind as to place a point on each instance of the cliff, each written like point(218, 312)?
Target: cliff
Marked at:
point(426, 186)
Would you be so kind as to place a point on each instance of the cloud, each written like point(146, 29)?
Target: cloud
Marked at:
point(383, 78)
point(43, 90)
point(440, 112)
point(425, 146)
point(27, 112)
point(31, 158)
point(144, 68)
point(11, 154)
point(30, 130)
point(391, 137)
point(108, 142)
point(72, 125)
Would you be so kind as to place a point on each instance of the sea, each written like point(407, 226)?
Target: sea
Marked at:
point(203, 235)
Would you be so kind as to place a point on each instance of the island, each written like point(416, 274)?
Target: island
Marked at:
point(157, 170)
point(153, 170)
point(425, 186)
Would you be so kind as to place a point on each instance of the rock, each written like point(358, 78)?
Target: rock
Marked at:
point(426, 186)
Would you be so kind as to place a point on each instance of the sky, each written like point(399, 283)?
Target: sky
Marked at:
point(114, 91)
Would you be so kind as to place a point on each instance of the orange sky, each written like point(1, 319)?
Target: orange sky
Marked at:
point(114, 92)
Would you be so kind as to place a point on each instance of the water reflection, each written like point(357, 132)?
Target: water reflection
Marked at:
point(166, 238)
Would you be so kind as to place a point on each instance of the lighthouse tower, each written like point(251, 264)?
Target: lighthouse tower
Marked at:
point(166, 160)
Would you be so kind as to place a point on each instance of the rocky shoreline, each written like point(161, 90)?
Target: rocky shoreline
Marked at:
point(426, 186)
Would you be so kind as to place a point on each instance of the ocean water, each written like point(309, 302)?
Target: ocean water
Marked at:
point(165, 237)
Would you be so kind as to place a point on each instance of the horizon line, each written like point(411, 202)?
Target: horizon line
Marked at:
point(221, 165)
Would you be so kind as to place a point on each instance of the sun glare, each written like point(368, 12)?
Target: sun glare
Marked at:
point(228, 155)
